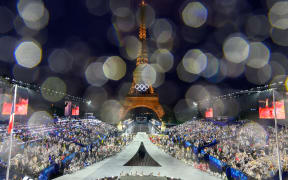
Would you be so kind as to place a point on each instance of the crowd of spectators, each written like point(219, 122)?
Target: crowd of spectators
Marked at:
point(96, 153)
point(37, 147)
point(245, 146)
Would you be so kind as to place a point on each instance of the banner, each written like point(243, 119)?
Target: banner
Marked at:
point(267, 112)
point(75, 111)
point(21, 107)
point(68, 105)
point(209, 113)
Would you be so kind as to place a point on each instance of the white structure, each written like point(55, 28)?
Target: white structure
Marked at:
point(113, 166)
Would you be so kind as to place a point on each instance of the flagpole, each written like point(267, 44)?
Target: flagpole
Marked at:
point(11, 133)
point(276, 129)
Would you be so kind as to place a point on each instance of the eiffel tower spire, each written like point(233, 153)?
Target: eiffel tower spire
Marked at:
point(141, 93)
point(143, 54)
point(142, 58)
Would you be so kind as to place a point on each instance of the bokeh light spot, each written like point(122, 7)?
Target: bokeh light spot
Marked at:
point(194, 14)
point(278, 15)
point(164, 58)
point(279, 36)
point(257, 27)
point(236, 49)
point(39, 118)
point(31, 10)
point(260, 75)
point(132, 47)
point(114, 68)
point(28, 54)
point(149, 16)
point(110, 111)
point(148, 74)
point(212, 66)
point(60, 61)
point(120, 8)
point(160, 75)
point(195, 61)
point(95, 75)
point(53, 89)
point(259, 55)
point(162, 30)
point(184, 75)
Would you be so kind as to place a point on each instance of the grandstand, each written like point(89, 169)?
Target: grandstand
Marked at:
point(143, 89)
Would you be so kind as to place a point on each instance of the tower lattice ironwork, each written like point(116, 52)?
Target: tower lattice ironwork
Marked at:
point(141, 93)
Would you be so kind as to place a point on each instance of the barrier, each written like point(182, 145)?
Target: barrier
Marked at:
point(213, 143)
point(238, 174)
point(68, 158)
point(187, 144)
point(47, 172)
point(230, 120)
point(216, 165)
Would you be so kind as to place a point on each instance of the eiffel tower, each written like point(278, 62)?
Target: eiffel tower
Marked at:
point(141, 93)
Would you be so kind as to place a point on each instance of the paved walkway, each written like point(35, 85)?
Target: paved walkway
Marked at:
point(113, 166)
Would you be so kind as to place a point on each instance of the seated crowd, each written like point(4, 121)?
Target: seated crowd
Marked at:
point(247, 147)
point(37, 147)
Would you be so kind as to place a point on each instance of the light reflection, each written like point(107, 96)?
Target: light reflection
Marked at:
point(34, 13)
point(259, 55)
point(212, 66)
point(125, 23)
point(28, 54)
point(120, 8)
point(149, 16)
point(52, 85)
point(160, 75)
point(194, 14)
point(195, 61)
point(278, 15)
point(236, 49)
point(132, 47)
point(60, 61)
point(31, 10)
point(164, 58)
point(279, 36)
point(148, 74)
point(259, 76)
point(95, 74)
point(185, 75)
point(257, 27)
point(114, 68)
point(162, 30)
point(110, 111)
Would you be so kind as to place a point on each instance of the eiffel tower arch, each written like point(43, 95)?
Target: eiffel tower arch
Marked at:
point(141, 93)
point(133, 102)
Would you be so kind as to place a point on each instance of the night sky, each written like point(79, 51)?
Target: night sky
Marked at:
point(88, 33)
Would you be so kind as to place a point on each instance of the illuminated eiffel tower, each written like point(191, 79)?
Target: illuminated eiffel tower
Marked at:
point(142, 93)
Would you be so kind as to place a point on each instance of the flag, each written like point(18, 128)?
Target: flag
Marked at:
point(11, 121)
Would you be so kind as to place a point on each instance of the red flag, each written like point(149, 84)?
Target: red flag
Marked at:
point(10, 127)
point(11, 121)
